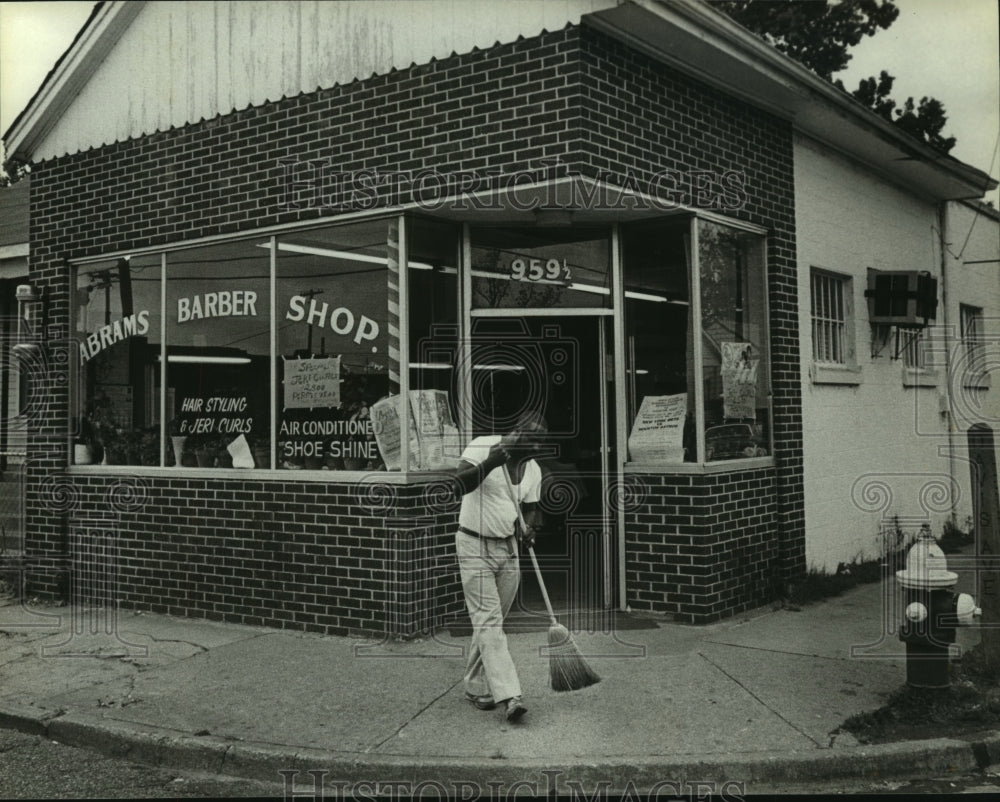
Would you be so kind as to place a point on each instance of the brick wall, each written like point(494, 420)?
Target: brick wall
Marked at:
point(572, 95)
point(331, 557)
point(701, 547)
point(640, 117)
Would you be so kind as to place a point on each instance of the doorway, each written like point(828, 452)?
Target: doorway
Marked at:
point(561, 366)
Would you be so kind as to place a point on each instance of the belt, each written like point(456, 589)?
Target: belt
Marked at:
point(474, 533)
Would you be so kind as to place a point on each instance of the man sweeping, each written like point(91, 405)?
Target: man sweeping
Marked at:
point(486, 544)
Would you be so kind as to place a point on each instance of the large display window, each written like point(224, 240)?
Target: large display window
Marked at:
point(734, 352)
point(342, 347)
point(265, 353)
point(434, 249)
point(218, 305)
point(338, 352)
point(659, 350)
point(682, 276)
point(118, 326)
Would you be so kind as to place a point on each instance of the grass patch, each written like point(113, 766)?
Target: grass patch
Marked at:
point(953, 539)
point(817, 585)
point(968, 707)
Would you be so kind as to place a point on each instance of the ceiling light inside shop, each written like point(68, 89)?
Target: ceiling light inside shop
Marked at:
point(352, 256)
point(643, 296)
point(195, 359)
point(589, 288)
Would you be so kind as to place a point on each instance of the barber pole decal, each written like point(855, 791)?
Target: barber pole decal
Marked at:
point(392, 278)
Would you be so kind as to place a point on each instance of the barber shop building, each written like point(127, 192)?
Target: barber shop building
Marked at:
point(286, 259)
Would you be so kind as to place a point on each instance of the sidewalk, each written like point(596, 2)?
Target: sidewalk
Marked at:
point(752, 700)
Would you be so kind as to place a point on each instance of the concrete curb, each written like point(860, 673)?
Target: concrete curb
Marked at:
point(261, 761)
point(29, 720)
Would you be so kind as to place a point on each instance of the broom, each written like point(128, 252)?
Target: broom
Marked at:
point(568, 671)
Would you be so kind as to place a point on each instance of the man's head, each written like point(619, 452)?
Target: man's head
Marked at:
point(530, 427)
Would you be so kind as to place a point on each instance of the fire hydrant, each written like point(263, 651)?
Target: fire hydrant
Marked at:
point(931, 614)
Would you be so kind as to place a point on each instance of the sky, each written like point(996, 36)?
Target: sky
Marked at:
point(946, 49)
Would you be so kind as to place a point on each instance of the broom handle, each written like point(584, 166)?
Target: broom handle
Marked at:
point(531, 551)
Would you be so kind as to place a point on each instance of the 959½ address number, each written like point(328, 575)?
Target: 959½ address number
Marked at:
point(539, 270)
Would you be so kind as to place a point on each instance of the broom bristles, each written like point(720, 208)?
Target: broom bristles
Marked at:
point(568, 671)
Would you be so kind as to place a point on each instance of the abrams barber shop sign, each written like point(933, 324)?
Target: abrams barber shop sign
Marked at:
point(227, 303)
point(340, 320)
point(115, 332)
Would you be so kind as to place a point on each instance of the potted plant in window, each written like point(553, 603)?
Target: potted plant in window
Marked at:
point(205, 451)
point(212, 452)
point(223, 458)
point(177, 441)
point(83, 443)
point(149, 446)
point(108, 447)
point(261, 452)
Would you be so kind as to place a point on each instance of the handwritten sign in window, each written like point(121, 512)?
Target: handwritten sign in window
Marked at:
point(311, 383)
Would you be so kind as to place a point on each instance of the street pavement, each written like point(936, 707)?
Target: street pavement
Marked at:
point(747, 703)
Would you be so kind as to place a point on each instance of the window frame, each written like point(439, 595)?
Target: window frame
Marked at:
point(270, 236)
point(974, 376)
point(846, 371)
point(699, 464)
point(916, 346)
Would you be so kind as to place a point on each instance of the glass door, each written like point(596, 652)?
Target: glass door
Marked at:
point(560, 366)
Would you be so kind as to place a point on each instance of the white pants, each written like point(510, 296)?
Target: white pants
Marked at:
point(490, 575)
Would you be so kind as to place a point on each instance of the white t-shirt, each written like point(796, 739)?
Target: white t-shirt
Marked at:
point(488, 509)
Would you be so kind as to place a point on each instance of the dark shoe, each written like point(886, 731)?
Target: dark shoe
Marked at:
point(481, 702)
point(515, 709)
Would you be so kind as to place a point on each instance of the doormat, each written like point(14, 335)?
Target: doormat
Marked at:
point(584, 621)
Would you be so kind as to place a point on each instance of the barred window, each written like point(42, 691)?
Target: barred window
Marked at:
point(972, 332)
point(829, 317)
point(911, 344)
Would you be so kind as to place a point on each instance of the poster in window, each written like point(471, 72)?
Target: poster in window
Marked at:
point(437, 434)
point(739, 381)
point(388, 436)
point(657, 436)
